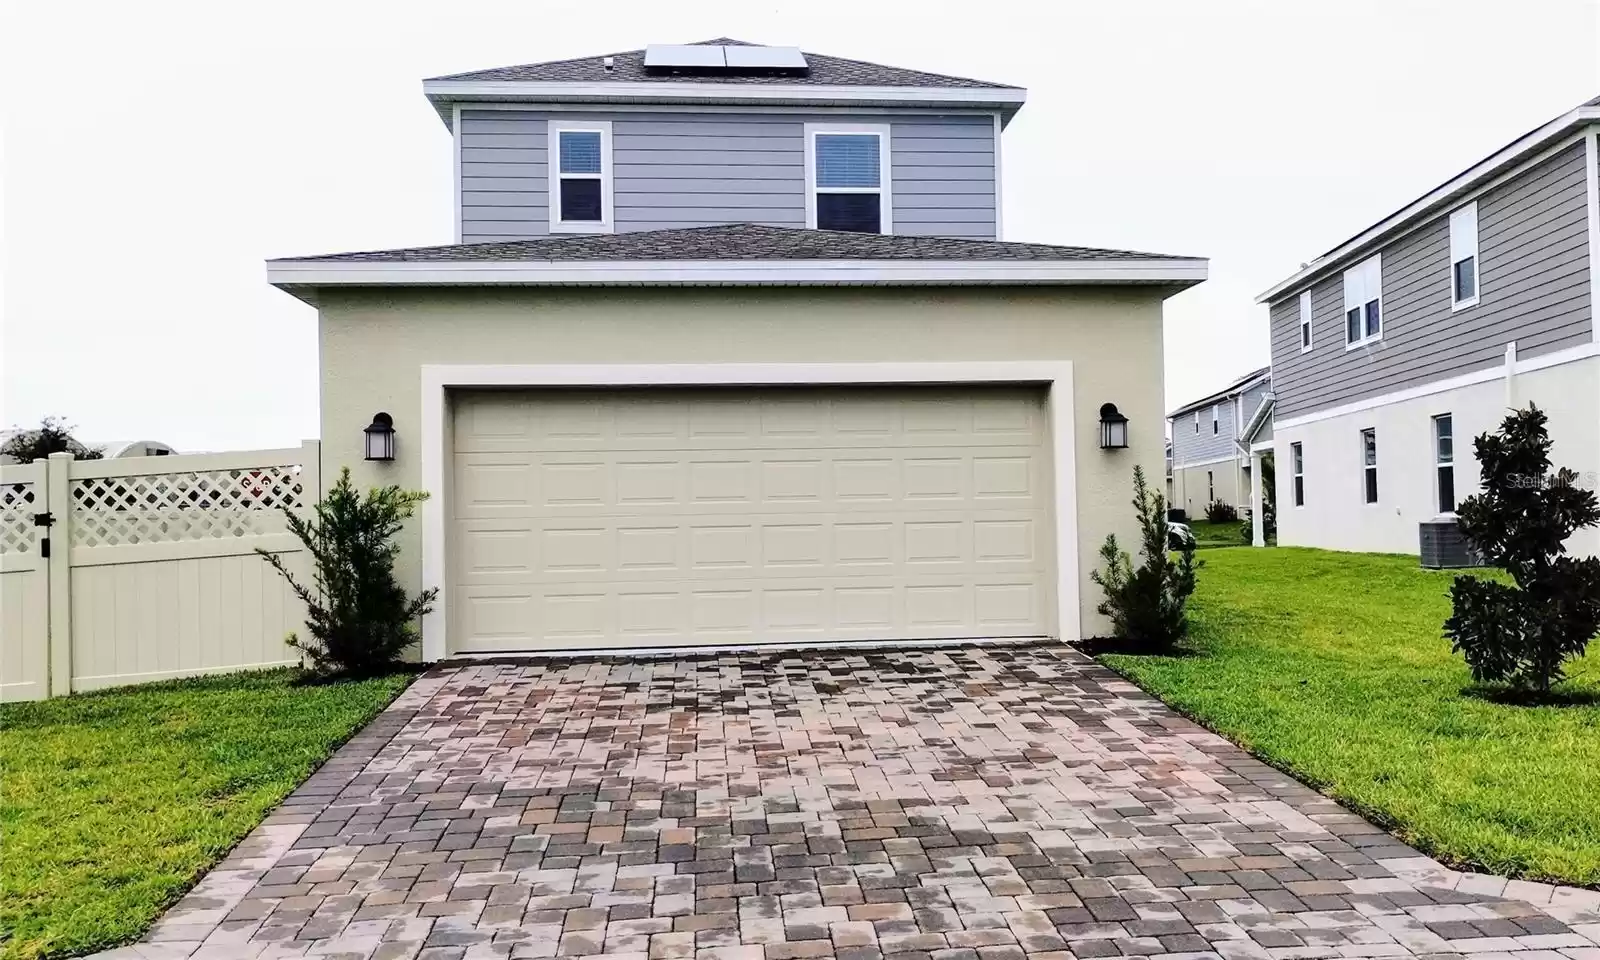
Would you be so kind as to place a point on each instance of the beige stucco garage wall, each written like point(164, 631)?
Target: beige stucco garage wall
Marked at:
point(374, 343)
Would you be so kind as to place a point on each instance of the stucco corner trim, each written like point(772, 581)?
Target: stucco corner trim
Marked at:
point(439, 379)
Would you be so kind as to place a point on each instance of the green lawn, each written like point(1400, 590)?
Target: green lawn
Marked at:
point(1208, 534)
point(113, 803)
point(1332, 666)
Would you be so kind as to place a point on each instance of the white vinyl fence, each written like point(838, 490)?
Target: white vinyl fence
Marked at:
point(139, 569)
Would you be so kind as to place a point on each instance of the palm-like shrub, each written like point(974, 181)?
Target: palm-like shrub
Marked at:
point(1147, 606)
point(1522, 635)
point(359, 619)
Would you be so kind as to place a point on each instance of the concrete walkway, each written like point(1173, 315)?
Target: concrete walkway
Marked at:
point(982, 803)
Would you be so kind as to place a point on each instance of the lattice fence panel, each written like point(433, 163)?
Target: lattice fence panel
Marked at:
point(16, 518)
point(174, 507)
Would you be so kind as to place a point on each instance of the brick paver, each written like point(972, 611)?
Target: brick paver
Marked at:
point(979, 803)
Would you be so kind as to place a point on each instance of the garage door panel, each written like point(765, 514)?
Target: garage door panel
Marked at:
point(781, 418)
point(832, 481)
point(768, 545)
point(589, 615)
point(586, 519)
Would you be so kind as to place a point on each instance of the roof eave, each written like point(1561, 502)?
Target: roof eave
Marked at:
point(1238, 389)
point(1431, 202)
point(443, 93)
point(302, 277)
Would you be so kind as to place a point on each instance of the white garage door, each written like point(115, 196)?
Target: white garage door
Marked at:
point(588, 519)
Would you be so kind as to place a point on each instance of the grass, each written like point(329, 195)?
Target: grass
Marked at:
point(1208, 534)
point(114, 803)
point(1332, 666)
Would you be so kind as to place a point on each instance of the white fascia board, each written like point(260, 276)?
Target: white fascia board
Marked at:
point(1437, 197)
point(309, 273)
point(622, 91)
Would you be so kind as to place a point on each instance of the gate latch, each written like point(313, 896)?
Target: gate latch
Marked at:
point(46, 520)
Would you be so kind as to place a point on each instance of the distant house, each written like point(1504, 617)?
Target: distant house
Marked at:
point(1392, 350)
point(1210, 459)
point(110, 449)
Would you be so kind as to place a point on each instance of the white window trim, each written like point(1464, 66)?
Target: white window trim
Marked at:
point(1297, 471)
point(607, 221)
point(885, 188)
point(1307, 334)
point(1374, 265)
point(1216, 420)
point(1211, 487)
point(1439, 464)
point(1458, 253)
point(438, 380)
point(1197, 421)
point(1361, 439)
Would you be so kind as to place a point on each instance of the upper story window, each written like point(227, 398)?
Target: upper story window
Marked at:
point(1305, 321)
point(1363, 303)
point(1197, 421)
point(1215, 419)
point(580, 177)
point(847, 177)
point(1464, 256)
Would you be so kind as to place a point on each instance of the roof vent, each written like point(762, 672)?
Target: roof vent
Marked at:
point(608, 62)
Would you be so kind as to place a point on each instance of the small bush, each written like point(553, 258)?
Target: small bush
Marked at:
point(1522, 635)
point(1147, 606)
point(1219, 512)
point(358, 616)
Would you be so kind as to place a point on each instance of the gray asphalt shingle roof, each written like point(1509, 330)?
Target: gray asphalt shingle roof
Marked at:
point(739, 241)
point(628, 66)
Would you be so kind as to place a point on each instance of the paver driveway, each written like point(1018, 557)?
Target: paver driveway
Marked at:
point(985, 803)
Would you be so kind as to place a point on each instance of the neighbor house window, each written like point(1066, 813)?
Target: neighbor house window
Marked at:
point(1297, 468)
point(1444, 461)
point(1363, 303)
point(847, 168)
point(1211, 488)
point(580, 177)
point(1305, 321)
point(1369, 465)
point(1197, 421)
point(1214, 418)
point(1464, 256)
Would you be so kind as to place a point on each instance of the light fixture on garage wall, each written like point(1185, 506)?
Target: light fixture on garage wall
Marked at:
point(1113, 428)
point(380, 437)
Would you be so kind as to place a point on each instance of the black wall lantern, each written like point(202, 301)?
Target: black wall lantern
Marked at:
point(380, 437)
point(1113, 428)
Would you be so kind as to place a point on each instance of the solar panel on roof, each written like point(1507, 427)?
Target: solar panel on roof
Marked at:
point(772, 58)
point(684, 55)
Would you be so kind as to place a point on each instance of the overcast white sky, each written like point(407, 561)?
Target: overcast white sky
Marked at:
point(156, 153)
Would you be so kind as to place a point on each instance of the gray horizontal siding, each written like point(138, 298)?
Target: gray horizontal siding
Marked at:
point(683, 170)
point(1533, 289)
point(1190, 447)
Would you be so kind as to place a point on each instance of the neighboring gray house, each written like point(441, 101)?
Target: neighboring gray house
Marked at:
point(1211, 443)
point(732, 351)
point(1391, 351)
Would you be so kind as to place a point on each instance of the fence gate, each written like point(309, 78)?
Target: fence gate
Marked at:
point(24, 583)
point(152, 571)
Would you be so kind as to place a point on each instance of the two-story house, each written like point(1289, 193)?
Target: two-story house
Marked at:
point(731, 351)
point(1211, 441)
point(1393, 350)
